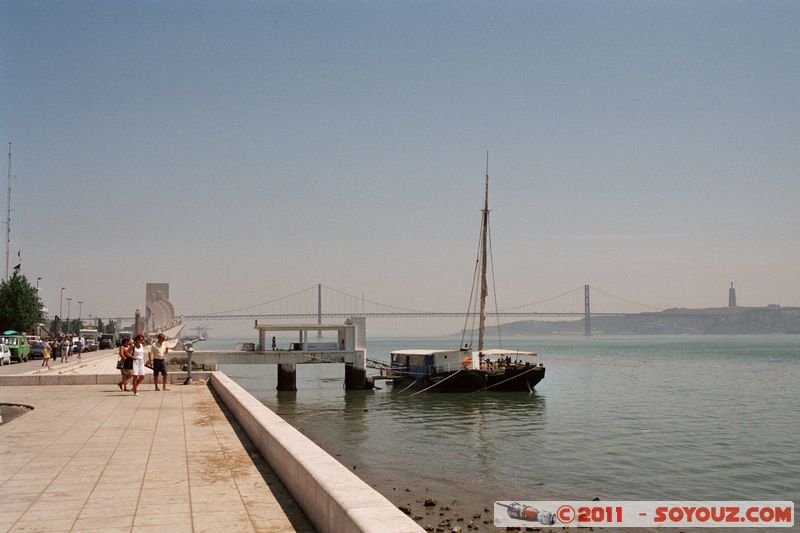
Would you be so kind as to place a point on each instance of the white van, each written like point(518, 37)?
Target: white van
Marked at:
point(5, 355)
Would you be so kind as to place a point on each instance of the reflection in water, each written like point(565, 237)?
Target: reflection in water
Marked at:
point(431, 441)
point(441, 438)
point(356, 409)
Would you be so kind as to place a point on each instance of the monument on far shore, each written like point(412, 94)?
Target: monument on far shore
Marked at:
point(160, 313)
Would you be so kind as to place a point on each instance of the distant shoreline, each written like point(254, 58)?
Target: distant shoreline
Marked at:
point(709, 321)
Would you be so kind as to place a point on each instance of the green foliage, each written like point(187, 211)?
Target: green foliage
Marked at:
point(74, 326)
point(111, 327)
point(20, 307)
point(60, 327)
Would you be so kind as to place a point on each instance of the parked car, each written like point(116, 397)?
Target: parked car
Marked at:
point(91, 346)
point(5, 355)
point(106, 341)
point(37, 350)
point(17, 345)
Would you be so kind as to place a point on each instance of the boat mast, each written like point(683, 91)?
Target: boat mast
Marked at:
point(484, 233)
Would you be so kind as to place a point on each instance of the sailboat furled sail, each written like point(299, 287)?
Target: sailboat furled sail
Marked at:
point(463, 370)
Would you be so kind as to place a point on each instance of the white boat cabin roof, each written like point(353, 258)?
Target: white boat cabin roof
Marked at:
point(423, 352)
point(502, 352)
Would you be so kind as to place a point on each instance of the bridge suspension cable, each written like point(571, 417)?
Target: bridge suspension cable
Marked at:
point(373, 302)
point(393, 311)
point(545, 300)
point(260, 304)
point(606, 293)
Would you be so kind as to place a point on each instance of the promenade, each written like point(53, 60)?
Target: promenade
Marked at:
point(93, 458)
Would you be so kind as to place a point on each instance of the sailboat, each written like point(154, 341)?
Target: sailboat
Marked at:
point(462, 369)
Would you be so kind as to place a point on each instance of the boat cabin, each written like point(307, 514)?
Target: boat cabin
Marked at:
point(420, 363)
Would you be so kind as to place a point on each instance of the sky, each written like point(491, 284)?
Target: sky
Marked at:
point(242, 151)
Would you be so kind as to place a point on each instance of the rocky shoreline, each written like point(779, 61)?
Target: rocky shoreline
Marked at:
point(450, 516)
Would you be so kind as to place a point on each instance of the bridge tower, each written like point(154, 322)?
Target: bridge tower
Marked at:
point(732, 297)
point(319, 309)
point(587, 316)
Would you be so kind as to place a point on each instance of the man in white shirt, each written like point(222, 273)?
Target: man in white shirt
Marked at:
point(157, 359)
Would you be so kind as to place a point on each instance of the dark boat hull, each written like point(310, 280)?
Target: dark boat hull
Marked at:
point(522, 379)
point(463, 381)
point(516, 379)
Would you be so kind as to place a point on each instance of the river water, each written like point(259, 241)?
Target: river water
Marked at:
point(619, 418)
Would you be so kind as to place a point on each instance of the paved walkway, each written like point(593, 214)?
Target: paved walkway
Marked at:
point(95, 458)
point(104, 363)
point(35, 365)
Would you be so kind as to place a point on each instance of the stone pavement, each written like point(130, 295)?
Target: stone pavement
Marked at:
point(92, 458)
point(104, 363)
point(35, 365)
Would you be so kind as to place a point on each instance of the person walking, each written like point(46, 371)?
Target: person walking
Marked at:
point(157, 360)
point(138, 363)
point(64, 350)
point(126, 358)
point(46, 355)
point(55, 347)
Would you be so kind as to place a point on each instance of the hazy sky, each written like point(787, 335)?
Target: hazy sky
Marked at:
point(241, 151)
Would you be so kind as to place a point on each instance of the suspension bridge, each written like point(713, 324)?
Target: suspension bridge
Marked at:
point(323, 302)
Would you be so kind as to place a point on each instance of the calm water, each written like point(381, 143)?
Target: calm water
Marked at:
point(641, 418)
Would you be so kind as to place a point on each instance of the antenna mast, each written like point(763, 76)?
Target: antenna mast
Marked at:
point(8, 211)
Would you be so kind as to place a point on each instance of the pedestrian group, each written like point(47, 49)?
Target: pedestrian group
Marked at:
point(132, 366)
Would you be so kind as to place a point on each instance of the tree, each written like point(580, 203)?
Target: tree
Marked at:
point(60, 327)
point(111, 327)
point(20, 307)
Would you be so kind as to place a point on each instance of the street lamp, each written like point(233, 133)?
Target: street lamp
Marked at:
point(37, 283)
point(80, 313)
point(69, 311)
point(61, 305)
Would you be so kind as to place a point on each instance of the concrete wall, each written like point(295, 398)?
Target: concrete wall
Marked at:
point(89, 379)
point(333, 498)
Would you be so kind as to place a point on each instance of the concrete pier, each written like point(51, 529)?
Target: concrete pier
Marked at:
point(346, 344)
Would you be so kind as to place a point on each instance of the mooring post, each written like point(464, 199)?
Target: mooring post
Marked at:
point(189, 350)
point(287, 377)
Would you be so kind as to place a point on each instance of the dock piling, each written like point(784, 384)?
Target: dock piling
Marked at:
point(287, 377)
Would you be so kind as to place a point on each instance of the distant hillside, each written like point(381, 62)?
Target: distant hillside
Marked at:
point(712, 321)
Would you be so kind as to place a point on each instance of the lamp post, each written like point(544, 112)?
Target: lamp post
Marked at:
point(61, 309)
point(37, 284)
point(80, 314)
point(69, 311)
